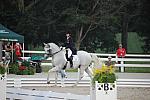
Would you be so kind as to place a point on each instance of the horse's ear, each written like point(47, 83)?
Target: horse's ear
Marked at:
point(44, 44)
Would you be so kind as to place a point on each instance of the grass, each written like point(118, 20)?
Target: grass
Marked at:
point(127, 69)
point(136, 70)
point(46, 69)
point(137, 62)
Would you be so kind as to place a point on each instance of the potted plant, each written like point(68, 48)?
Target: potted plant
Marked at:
point(103, 83)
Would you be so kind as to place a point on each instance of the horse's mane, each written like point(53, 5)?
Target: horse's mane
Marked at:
point(53, 45)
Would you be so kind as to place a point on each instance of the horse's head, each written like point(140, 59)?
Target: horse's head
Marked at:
point(48, 50)
point(51, 49)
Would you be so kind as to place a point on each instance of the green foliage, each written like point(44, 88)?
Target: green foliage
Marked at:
point(13, 68)
point(48, 21)
point(29, 70)
point(142, 25)
point(135, 42)
point(26, 63)
point(2, 70)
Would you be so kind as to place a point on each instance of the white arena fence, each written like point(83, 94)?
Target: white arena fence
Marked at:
point(23, 94)
point(31, 82)
point(103, 57)
point(31, 94)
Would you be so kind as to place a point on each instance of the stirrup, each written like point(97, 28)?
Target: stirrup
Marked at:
point(71, 65)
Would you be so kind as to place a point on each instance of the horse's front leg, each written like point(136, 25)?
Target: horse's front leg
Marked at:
point(63, 75)
point(51, 70)
point(56, 78)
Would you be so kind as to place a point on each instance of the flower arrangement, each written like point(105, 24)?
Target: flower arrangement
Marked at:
point(25, 68)
point(105, 74)
point(22, 68)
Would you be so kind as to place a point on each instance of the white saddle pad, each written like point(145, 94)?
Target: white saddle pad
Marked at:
point(69, 53)
point(75, 58)
point(76, 61)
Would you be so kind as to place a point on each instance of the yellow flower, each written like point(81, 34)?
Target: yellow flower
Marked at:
point(103, 73)
point(103, 69)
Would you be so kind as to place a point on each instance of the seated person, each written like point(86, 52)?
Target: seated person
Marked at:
point(109, 62)
point(71, 46)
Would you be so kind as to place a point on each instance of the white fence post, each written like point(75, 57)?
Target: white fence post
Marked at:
point(122, 65)
point(3, 87)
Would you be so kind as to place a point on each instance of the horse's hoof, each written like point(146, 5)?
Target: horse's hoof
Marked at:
point(74, 85)
point(62, 86)
point(33, 89)
point(66, 77)
point(53, 86)
point(48, 82)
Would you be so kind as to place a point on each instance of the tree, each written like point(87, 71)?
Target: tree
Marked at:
point(85, 17)
point(143, 23)
point(128, 13)
point(92, 23)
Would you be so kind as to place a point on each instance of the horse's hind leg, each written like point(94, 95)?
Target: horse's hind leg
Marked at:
point(88, 71)
point(81, 73)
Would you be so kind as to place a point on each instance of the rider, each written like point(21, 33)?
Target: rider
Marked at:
point(71, 46)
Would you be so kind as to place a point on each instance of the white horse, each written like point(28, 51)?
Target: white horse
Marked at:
point(59, 61)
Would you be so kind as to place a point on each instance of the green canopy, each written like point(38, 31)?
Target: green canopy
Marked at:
point(8, 35)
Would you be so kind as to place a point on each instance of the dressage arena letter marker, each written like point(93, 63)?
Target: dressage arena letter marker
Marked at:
point(106, 86)
point(107, 91)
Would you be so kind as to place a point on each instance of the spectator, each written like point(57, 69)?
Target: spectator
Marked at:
point(121, 52)
point(8, 49)
point(18, 49)
point(109, 62)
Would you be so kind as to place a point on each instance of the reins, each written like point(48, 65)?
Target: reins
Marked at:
point(56, 52)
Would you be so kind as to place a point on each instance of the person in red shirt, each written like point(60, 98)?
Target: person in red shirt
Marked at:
point(121, 52)
point(18, 49)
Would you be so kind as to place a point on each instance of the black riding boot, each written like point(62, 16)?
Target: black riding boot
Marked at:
point(71, 63)
point(67, 55)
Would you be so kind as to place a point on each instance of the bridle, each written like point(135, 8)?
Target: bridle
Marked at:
point(52, 54)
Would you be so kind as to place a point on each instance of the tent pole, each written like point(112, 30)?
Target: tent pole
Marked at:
point(1, 48)
point(12, 52)
point(23, 51)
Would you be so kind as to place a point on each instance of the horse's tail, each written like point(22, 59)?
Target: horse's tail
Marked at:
point(96, 61)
